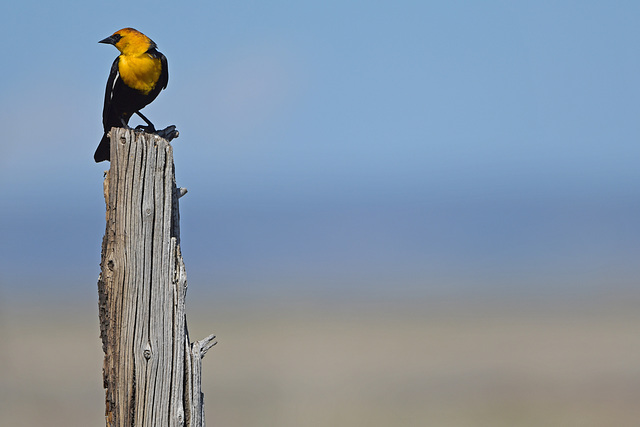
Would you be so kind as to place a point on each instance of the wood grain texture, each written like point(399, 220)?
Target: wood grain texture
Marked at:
point(151, 370)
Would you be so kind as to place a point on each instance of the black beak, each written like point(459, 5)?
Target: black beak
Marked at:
point(111, 39)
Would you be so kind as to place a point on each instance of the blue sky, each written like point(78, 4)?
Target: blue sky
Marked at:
point(404, 143)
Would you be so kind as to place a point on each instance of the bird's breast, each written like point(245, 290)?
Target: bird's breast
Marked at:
point(140, 72)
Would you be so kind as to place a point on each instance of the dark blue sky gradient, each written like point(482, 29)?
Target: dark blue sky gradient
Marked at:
point(340, 147)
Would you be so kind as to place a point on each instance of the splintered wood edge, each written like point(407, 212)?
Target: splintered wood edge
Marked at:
point(205, 344)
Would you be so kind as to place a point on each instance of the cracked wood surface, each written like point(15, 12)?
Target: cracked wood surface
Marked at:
point(151, 370)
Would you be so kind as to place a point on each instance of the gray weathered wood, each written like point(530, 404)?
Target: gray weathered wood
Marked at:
point(152, 372)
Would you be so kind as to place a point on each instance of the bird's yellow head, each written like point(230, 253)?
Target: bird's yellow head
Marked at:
point(130, 42)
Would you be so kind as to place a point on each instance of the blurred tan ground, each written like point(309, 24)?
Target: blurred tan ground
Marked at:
point(306, 364)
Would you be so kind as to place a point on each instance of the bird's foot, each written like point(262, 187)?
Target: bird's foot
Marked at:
point(148, 129)
point(168, 133)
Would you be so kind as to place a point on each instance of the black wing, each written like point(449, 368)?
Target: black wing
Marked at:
point(114, 76)
point(164, 73)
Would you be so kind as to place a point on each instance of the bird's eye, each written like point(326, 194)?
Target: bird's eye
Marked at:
point(116, 38)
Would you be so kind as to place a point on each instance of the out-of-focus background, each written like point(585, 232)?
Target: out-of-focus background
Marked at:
point(399, 213)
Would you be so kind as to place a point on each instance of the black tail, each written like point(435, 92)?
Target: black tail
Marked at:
point(103, 152)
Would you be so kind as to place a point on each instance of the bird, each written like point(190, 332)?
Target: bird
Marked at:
point(137, 76)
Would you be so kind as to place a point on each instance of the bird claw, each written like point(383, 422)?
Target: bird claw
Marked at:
point(168, 133)
point(148, 129)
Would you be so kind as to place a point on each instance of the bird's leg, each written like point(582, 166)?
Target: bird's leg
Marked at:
point(149, 128)
point(168, 133)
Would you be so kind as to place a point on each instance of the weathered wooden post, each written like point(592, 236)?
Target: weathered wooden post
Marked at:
point(151, 370)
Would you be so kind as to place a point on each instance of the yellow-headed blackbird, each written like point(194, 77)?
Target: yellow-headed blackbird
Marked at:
point(137, 77)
